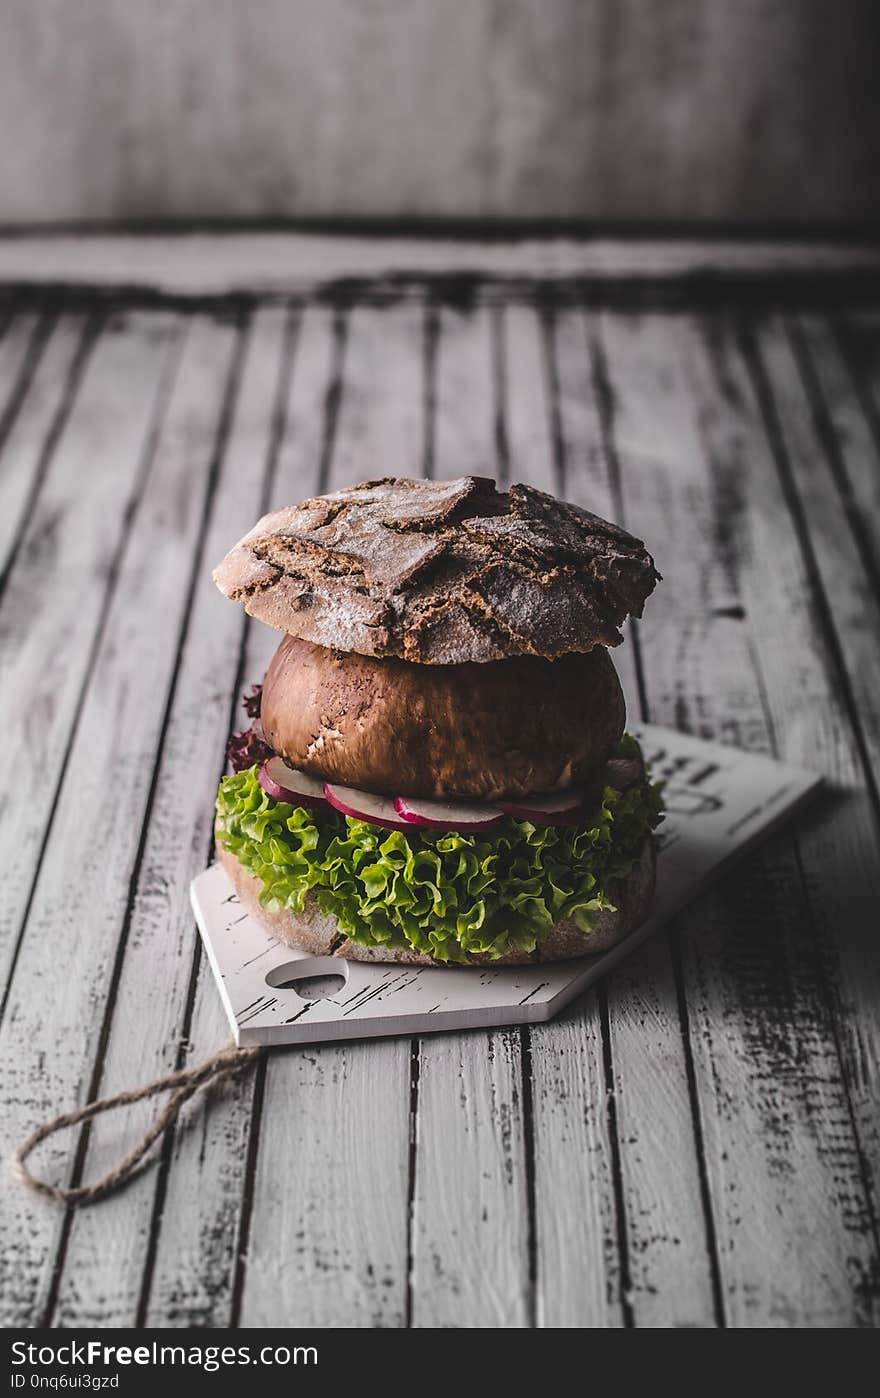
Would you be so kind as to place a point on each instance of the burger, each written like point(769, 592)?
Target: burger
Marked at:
point(436, 771)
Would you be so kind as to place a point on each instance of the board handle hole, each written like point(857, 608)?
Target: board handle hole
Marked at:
point(312, 977)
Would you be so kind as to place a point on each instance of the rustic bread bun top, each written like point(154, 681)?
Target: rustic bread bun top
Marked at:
point(440, 572)
point(509, 728)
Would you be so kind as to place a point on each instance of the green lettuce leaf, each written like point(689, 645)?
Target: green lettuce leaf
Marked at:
point(452, 895)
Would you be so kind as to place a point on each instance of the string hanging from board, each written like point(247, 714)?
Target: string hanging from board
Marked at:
point(183, 1085)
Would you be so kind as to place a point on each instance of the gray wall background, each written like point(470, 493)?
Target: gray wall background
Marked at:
point(723, 111)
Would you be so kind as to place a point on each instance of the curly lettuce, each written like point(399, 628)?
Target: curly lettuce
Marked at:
point(448, 894)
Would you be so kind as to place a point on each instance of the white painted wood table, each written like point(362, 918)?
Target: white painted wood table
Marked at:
point(694, 1143)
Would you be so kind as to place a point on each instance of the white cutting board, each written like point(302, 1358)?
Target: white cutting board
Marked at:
point(720, 802)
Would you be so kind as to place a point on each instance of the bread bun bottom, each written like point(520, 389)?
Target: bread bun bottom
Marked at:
point(313, 932)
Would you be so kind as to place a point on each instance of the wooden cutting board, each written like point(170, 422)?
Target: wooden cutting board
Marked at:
point(720, 803)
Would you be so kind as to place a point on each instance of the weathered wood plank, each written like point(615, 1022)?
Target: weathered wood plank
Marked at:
point(21, 339)
point(833, 478)
point(526, 409)
point(782, 1163)
point(847, 386)
point(470, 1263)
point(464, 393)
point(310, 410)
point(647, 1257)
point(98, 1286)
point(196, 1222)
point(859, 334)
point(328, 1228)
point(57, 590)
point(40, 417)
point(80, 896)
point(327, 1241)
point(381, 424)
point(470, 1243)
point(840, 855)
point(578, 1281)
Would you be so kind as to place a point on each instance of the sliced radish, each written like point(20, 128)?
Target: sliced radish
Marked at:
point(364, 805)
point(623, 772)
point(443, 815)
point(550, 808)
point(287, 784)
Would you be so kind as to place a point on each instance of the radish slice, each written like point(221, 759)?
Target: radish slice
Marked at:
point(441, 815)
point(364, 805)
point(287, 784)
point(551, 808)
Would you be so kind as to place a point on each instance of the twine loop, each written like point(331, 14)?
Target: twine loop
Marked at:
point(183, 1085)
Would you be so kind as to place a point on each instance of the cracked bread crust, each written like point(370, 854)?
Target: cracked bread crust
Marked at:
point(440, 572)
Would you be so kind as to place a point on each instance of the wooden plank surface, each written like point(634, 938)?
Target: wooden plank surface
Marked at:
point(818, 466)
point(843, 387)
point(21, 339)
point(34, 414)
point(57, 592)
point(192, 1264)
point(766, 1124)
point(95, 1287)
point(98, 791)
point(694, 1144)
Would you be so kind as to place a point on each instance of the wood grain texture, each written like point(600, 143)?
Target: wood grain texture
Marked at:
point(57, 592)
point(844, 388)
point(21, 339)
point(196, 1222)
point(812, 723)
point(464, 393)
point(839, 521)
point(470, 1245)
point(620, 110)
point(840, 723)
point(89, 853)
point(34, 412)
point(773, 1100)
point(96, 1287)
point(381, 421)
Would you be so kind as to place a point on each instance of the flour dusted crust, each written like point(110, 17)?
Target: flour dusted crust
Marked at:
point(508, 728)
point(440, 572)
point(311, 931)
